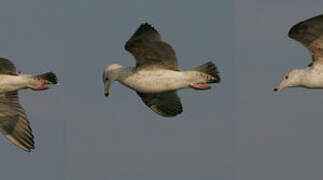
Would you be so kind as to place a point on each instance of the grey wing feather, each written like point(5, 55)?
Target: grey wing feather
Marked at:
point(150, 51)
point(7, 67)
point(310, 34)
point(166, 104)
point(13, 122)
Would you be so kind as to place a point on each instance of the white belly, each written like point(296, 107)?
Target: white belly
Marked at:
point(11, 83)
point(156, 81)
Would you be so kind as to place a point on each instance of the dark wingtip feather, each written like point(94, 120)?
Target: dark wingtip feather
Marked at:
point(303, 26)
point(146, 27)
point(143, 31)
point(293, 30)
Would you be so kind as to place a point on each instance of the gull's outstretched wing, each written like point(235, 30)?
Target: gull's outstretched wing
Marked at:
point(7, 67)
point(310, 34)
point(13, 122)
point(166, 104)
point(150, 51)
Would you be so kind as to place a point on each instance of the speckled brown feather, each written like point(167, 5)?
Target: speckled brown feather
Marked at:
point(166, 104)
point(149, 50)
point(7, 67)
point(13, 122)
point(310, 34)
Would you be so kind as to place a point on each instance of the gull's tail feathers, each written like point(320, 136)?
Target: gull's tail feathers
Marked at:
point(210, 69)
point(47, 78)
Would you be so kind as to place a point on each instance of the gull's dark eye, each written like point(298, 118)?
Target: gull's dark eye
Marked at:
point(286, 77)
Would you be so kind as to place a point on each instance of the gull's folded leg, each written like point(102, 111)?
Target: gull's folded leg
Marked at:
point(200, 86)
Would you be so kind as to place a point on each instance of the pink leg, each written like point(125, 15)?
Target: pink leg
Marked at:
point(200, 86)
point(38, 87)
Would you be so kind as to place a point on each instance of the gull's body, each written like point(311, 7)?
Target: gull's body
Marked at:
point(163, 79)
point(157, 76)
point(310, 34)
point(14, 124)
point(312, 77)
point(12, 83)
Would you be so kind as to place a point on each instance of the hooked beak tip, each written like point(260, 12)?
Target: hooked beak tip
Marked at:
point(276, 89)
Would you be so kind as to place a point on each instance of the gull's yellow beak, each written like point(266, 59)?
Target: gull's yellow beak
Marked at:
point(106, 93)
point(107, 88)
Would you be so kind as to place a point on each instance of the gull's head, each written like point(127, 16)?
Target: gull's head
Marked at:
point(110, 74)
point(292, 79)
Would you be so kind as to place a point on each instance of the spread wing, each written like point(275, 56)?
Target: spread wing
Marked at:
point(7, 67)
point(310, 34)
point(13, 122)
point(150, 51)
point(166, 104)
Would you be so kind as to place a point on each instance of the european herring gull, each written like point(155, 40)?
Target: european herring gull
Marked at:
point(310, 34)
point(157, 76)
point(14, 124)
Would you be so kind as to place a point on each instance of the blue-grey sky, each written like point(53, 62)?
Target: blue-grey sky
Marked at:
point(278, 135)
point(80, 134)
point(238, 130)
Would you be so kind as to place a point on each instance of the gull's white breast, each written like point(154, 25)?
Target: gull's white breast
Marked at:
point(156, 81)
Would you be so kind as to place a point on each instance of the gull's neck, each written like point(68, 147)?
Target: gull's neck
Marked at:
point(124, 73)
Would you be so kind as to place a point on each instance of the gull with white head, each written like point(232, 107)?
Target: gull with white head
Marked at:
point(14, 124)
point(310, 34)
point(157, 76)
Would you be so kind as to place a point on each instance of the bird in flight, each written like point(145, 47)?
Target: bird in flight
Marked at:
point(310, 34)
point(14, 124)
point(157, 76)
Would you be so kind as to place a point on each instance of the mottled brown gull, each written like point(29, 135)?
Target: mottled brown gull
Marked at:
point(310, 34)
point(157, 76)
point(13, 121)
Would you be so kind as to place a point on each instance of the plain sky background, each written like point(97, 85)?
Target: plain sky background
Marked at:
point(278, 135)
point(80, 134)
point(240, 129)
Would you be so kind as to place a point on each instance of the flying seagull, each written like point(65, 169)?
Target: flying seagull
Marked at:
point(310, 34)
point(14, 124)
point(157, 76)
